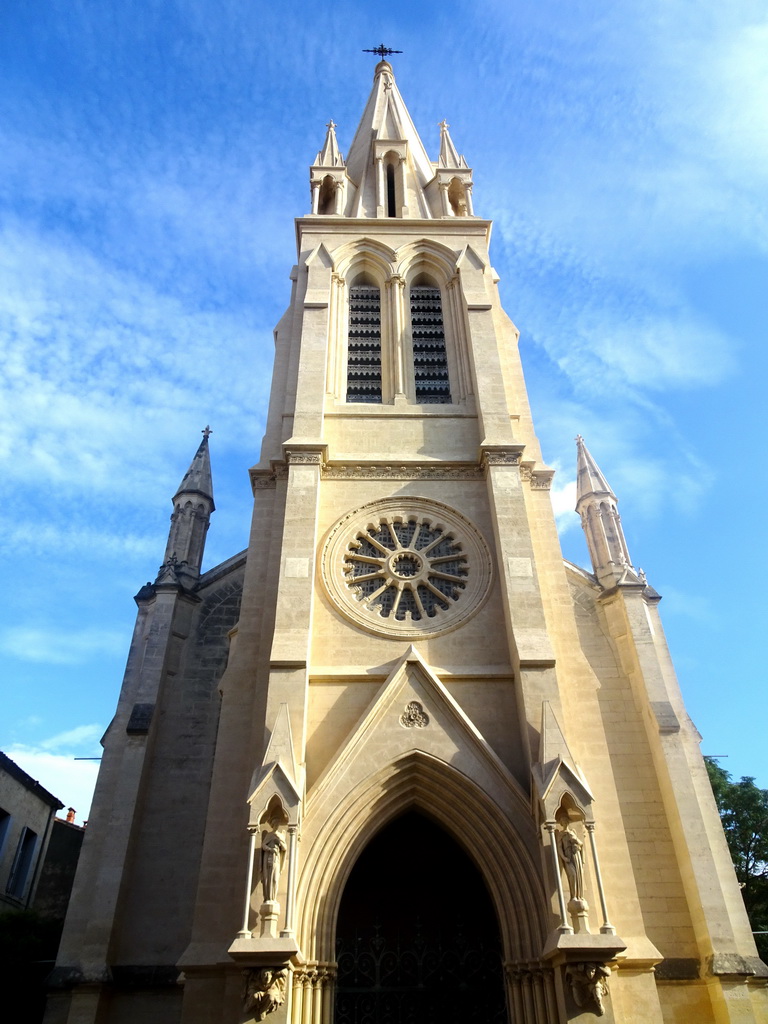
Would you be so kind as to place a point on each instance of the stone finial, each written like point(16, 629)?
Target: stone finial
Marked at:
point(449, 156)
point(329, 155)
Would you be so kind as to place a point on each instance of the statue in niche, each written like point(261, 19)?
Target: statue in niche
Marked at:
point(588, 985)
point(264, 991)
point(571, 851)
point(273, 847)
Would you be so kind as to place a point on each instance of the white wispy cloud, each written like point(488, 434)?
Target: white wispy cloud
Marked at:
point(563, 496)
point(71, 781)
point(57, 646)
point(80, 736)
point(688, 605)
point(41, 536)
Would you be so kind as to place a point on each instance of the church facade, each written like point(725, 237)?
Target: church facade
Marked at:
point(398, 761)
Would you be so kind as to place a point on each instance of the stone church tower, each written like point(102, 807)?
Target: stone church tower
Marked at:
point(399, 761)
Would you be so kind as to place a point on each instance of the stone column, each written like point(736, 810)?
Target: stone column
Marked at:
point(290, 897)
point(445, 203)
point(396, 290)
point(381, 188)
point(338, 198)
point(403, 192)
point(606, 928)
point(245, 932)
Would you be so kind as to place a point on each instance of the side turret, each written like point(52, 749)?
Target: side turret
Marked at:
point(192, 508)
point(454, 178)
point(328, 176)
point(597, 506)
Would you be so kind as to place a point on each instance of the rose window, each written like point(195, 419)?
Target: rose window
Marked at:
point(406, 570)
point(406, 567)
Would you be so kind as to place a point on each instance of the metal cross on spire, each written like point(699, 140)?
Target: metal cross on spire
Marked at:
point(383, 51)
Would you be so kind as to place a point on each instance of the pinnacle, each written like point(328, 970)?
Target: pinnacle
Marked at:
point(449, 156)
point(589, 477)
point(198, 478)
point(329, 155)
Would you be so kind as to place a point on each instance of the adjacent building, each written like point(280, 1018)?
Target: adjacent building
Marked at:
point(27, 813)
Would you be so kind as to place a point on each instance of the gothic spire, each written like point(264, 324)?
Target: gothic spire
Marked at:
point(386, 143)
point(192, 508)
point(197, 479)
point(387, 172)
point(597, 505)
point(589, 478)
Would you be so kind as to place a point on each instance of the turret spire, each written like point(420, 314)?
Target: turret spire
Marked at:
point(192, 508)
point(329, 155)
point(597, 505)
point(449, 156)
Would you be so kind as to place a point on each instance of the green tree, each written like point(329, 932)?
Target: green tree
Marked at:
point(743, 808)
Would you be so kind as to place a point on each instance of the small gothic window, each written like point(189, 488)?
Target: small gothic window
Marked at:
point(457, 197)
point(391, 204)
point(430, 360)
point(364, 345)
point(327, 200)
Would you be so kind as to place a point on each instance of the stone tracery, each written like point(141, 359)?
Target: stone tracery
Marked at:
point(405, 568)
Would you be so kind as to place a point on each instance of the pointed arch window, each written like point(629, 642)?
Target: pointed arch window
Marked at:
point(430, 358)
point(391, 193)
point(327, 199)
point(364, 344)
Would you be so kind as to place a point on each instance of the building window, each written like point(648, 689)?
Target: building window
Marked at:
point(327, 199)
point(364, 345)
point(391, 200)
point(5, 824)
point(406, 567)
point(409, 569)
point(22, 862)
point(430, 359)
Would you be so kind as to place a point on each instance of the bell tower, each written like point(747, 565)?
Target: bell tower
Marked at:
point(415, 678)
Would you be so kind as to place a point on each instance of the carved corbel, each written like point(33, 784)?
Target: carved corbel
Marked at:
point(265, 989)
point(588, 985)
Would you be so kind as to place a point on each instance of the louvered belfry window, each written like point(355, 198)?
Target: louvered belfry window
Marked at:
point(364, 345)
point(430, 361)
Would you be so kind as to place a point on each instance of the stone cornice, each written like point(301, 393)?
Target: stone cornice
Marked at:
point(403, 471)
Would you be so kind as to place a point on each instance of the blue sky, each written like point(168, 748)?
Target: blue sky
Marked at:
point(153, 156)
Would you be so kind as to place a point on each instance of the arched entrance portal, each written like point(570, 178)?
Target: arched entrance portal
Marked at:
point(417, 939)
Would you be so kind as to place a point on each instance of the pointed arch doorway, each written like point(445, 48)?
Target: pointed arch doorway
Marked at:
point(417, 938)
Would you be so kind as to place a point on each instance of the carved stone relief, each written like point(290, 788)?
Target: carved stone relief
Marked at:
point(273, 847)
point(368, 471)
point(305, 458)
point(588, 986)
point(264, 991)
point(571, 851)
point(414, 716)
point(541, 480)
point(502, 458)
